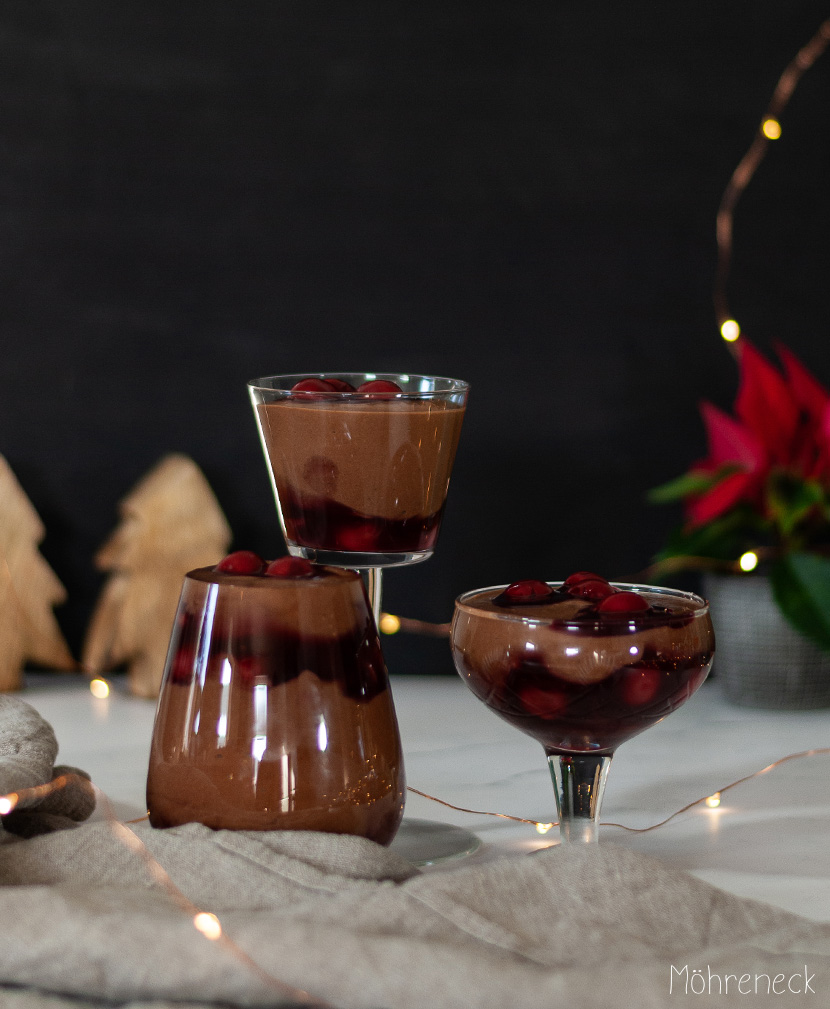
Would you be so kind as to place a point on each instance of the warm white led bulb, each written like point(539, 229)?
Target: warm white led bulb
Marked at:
point(208, 924)
point(389, 624)
point(748, 561)
point(771, 129)
point(730, 330)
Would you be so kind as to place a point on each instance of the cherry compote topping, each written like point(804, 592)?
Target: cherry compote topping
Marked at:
point(380, 388)
point(592, 588)
point(582, 576)
point(623, 602)
point(527, 593)
point(290, 567)
point(313, 385)
point(241, 562)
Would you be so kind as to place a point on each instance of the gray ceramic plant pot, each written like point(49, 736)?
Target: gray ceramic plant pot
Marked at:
point(760, 659)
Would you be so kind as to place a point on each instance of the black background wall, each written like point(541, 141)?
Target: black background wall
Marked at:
point(517, 193)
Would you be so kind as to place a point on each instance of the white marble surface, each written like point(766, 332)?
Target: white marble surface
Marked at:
point(767, 840)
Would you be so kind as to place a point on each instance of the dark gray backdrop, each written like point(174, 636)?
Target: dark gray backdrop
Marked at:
point(521, 194)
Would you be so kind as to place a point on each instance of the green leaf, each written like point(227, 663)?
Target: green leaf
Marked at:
point(694, 482)
point(801, 587)
point(791, 499)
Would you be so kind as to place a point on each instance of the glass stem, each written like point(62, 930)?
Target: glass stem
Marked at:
point(374, 588)
point(579, 781)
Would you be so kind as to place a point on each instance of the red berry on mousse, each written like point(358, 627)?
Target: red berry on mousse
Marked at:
point(339, 385)
point(380, 388)
point(290, 567)
point(593, 589)
point(623, 602)
point(524, 593)
point(582, 576)
point(313, 385)
point(241, 562)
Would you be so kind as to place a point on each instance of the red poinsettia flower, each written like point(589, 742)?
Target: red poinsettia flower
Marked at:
point(766, 405)
point(731, 444)
point(812, 451)
point(782, 423)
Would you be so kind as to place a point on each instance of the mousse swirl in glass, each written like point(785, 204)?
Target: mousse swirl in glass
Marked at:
point(275, 711)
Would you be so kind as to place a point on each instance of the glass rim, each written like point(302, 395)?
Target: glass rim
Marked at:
point(454, 386)
point(461, 603)
point(236, 580)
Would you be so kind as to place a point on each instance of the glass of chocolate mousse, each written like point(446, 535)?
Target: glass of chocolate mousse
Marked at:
point(275, 711)
point(581, 666)
point(360, 463)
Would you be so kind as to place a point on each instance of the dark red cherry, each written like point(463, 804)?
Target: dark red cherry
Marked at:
point(183, 665)
point(592, 588)
point(339, 385)
point(241, 562)
point(639, 686)
point(249, 667)
point(361, 537)
point(530, 591)
point(290, 567)
point(379, 388)
point(582, 576)
point(541, 702)
point(623, 602)
point(310, 385)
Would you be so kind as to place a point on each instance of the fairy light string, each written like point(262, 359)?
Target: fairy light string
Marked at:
point(769, 129)
point(712, 800)
point(205, 922)
point(210, 926)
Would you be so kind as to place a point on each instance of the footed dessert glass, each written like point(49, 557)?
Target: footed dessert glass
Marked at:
point(275, 711)
point(360, 464)
point(581, 666)
point(360, 469)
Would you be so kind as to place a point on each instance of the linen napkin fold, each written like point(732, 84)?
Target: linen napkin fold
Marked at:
point(587, 927)
point(28, 749)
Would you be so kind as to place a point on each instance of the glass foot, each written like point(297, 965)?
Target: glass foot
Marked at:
point(426, 842)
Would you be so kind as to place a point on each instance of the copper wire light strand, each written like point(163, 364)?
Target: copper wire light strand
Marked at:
point(477, 812)
point(748, 164)
point(157, 871)
point(725, 788)
point(26, 796)
point(638, 830)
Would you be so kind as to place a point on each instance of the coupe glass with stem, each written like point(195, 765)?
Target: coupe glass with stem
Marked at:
point(582, 675)
point(360, 464)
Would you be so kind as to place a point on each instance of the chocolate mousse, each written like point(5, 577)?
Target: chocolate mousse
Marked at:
point(275, 711)
point(582, 666)
point(361, 470)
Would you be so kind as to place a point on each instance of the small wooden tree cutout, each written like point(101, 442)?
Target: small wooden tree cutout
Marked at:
point(29, 589)
point(170, 523)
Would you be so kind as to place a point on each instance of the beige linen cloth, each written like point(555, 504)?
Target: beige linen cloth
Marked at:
point(85, 923)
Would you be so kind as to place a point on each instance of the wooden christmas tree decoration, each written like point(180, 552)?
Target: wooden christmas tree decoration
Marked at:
point(170, 523)
point(29, 589)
